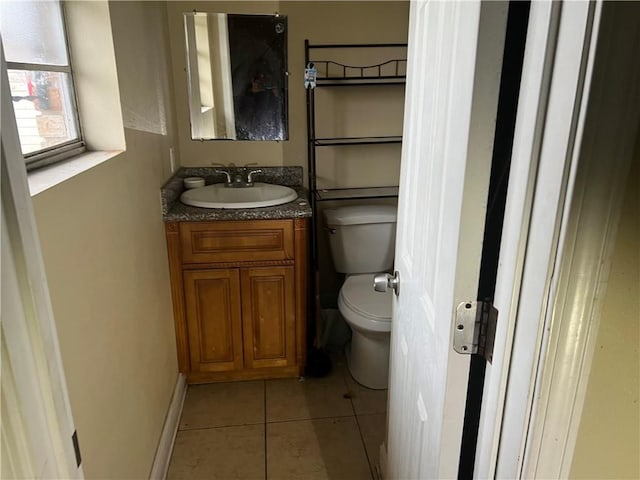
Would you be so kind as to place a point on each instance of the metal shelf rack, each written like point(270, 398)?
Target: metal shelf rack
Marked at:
point(333, 74)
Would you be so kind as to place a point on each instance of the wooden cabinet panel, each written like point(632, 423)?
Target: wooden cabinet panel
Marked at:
point(212, 299)
point(240, 241)
point(268, 313)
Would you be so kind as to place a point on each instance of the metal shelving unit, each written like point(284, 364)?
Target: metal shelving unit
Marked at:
point(333, 74)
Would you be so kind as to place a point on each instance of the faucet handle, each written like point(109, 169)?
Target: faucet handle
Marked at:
point(226, 172)
point(251, 173)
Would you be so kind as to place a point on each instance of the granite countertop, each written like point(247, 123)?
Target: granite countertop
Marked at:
point(175, 211)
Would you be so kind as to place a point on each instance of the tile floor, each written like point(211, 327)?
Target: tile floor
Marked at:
point(319, 428)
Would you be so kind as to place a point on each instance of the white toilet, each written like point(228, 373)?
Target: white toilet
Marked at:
point(362, 241)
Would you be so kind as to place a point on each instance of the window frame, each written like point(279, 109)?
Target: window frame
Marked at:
point(62, 151)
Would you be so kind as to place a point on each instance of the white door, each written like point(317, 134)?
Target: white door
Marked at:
point(38, 436)
point(454, 65)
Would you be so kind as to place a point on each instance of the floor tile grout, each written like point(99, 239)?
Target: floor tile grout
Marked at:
point(308, 419)
point(210, 427)
point(267, 422)
point(355, 414)
point(366, 453)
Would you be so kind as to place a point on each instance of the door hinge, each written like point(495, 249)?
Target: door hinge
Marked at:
point(76, 447)
point(474, 330)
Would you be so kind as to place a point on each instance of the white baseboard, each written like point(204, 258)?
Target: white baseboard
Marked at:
point(168, 437)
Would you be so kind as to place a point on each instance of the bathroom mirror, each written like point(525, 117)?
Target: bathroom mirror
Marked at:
point(237, 74)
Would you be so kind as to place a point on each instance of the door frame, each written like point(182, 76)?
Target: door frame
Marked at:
point(39, 433)
point(551, 87)
point(522, 412)
point(610, 118)
point(568, 41)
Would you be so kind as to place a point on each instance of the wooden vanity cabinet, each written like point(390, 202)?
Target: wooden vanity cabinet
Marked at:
point(239, 294)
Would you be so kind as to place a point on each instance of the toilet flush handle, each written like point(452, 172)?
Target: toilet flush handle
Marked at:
point(383, 281)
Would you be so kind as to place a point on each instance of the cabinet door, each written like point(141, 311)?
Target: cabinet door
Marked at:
point(212, 300)
point(268, 315)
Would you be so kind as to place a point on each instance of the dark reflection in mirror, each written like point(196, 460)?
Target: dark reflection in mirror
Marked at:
point(258, 65)
point(237, 76)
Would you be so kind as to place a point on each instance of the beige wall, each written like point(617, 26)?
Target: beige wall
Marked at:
point(102, 239)
point(320, 22)
point(608, 443)
point(381, 108)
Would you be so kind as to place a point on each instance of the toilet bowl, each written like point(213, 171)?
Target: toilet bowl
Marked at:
point(362, 241)
point(368, 313)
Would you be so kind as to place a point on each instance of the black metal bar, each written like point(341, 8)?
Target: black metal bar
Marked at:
point(330, 142)
point(324, 142)
point(347, 198)
point(353, 84)
point(311, 163)
point(351, 193)
point(381, 77)
point(372, 137)
point(356, 45)
point(313, 241)
point(363, 197)
point(360, 67)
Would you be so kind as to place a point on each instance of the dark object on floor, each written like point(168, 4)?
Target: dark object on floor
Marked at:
point(318, 363)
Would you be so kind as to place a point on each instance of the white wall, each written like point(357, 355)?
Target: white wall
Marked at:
point(103, 245)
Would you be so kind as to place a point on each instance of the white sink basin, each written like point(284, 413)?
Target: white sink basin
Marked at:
point(220, 196)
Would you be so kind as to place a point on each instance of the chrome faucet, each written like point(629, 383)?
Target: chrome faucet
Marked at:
point(242, 179)
point(225, 172)
point(250, 176)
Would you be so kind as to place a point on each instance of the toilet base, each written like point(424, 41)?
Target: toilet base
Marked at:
point(368, 359)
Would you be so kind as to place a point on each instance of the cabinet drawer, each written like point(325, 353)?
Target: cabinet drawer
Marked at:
point(204, 242)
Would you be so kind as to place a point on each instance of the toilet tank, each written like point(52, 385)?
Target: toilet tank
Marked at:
point(362, 237)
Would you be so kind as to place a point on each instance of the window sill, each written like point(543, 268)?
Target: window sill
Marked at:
point(48, 177)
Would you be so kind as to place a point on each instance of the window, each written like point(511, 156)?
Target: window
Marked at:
point(40, 78)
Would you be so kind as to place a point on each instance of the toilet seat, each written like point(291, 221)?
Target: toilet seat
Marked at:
point(362, 306)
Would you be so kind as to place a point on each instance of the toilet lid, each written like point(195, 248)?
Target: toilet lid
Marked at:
point(358, 294)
